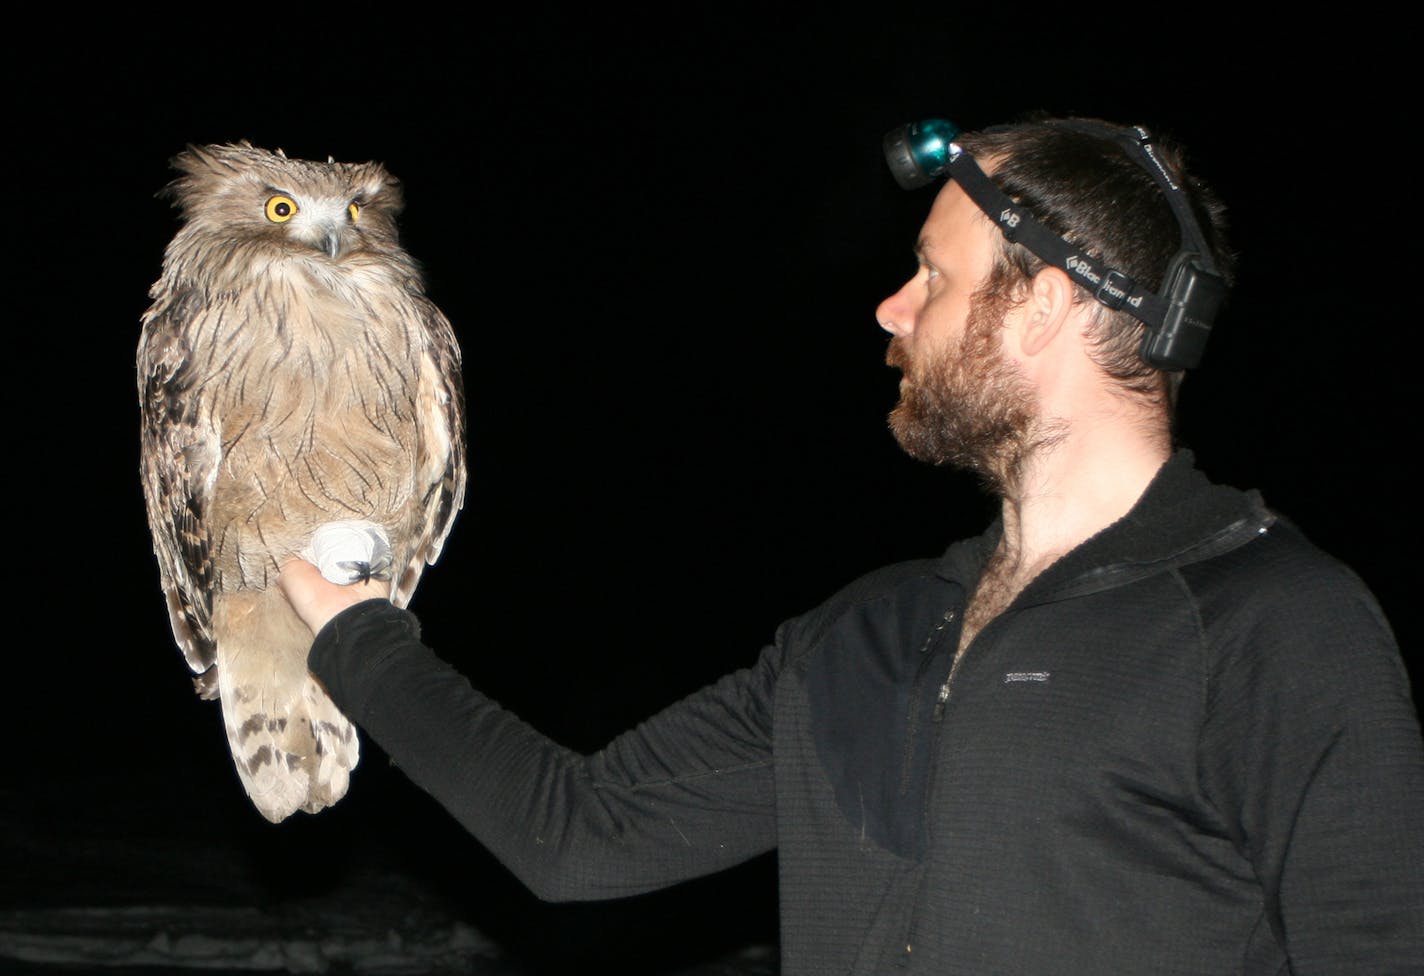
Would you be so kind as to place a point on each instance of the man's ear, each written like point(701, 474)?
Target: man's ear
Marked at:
point(1045, 310)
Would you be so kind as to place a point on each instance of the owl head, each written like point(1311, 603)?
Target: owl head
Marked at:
point(252, 202)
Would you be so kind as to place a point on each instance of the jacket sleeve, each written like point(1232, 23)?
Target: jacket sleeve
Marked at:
point(1311, 751)
point(686, 793)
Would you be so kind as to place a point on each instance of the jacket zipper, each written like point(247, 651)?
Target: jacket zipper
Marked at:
point(937, 715)
point(942, 699)
point(936, 718)
point(913, 718)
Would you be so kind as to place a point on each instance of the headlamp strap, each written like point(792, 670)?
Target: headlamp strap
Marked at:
point(1109, 286)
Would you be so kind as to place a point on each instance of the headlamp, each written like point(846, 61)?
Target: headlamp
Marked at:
point(1178, 316)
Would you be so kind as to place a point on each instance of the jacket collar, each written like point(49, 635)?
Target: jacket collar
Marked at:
point(1180, 518)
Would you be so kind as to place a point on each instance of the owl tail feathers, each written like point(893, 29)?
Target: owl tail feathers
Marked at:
point(292, 748)
point(335, 748)
point(301, 760)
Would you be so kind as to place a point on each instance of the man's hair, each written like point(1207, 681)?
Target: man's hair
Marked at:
point(1088, 189)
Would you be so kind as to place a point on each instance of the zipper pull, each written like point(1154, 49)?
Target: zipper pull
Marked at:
point(938, 713)
point(945, 620)
point(943, 697)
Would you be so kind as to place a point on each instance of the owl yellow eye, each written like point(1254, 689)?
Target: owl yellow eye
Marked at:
point(355, 211)
point(281, 209)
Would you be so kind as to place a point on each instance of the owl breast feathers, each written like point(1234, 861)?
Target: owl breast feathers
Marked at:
point(291, 373)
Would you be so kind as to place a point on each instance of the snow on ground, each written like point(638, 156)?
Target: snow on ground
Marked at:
point(240, 939)
point(93, 879)
point(247, 940)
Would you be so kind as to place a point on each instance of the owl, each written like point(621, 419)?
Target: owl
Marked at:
point(293, 376)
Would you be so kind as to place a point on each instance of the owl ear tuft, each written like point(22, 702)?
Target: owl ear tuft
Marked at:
point(200, 167)
point(193, 159)
point(215, 160)
point(383, 190)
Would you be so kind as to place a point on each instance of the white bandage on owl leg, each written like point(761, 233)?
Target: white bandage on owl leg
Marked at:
point(351, 551)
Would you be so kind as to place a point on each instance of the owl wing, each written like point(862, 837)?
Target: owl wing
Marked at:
point(180, 449)
point(440, 422)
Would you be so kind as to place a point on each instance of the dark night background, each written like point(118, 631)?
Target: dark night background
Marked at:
point(661, 242)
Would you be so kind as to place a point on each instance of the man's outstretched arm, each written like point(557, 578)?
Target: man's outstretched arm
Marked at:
point(686, 793)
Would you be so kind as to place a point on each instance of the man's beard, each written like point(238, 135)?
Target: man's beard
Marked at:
point(967, 405)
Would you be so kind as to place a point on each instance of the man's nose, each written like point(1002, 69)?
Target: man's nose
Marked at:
point(895, 314)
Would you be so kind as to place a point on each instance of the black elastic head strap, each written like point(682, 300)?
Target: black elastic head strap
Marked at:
point(1137, 142)
point(1019, 226)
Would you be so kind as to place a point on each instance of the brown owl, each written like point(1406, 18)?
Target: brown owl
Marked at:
point(292, 374)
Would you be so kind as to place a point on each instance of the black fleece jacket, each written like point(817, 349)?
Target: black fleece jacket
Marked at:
point(1188, 747)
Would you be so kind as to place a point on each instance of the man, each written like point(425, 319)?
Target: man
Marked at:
point(1139, 726)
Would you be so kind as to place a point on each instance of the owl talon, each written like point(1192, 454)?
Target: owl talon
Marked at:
point(351, 551)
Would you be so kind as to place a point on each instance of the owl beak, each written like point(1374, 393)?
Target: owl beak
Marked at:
point(331, 243)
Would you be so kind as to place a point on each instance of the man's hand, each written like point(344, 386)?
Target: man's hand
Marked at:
point(316, 600)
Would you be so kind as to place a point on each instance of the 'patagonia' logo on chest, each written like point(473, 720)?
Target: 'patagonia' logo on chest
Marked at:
point(1014, 677)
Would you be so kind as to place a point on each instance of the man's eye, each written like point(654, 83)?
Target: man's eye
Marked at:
point(930, 274)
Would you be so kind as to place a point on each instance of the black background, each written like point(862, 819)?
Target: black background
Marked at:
point(661, 240)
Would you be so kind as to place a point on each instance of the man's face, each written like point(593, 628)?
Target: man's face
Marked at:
point(961, 401)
